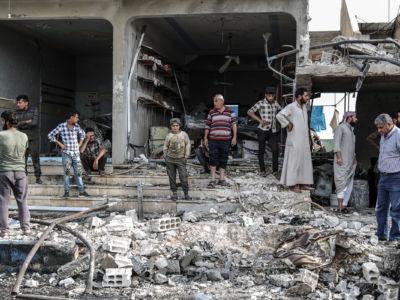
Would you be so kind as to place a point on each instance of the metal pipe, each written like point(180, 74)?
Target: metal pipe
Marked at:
point(373, 42)
point(370, 57)
point(45, 234)
point(140, 199)
point(89, 284)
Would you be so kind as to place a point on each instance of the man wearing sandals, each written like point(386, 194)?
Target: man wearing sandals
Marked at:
point(345, 159)
point(13, 145)
point(297, 171)
point(220, 135)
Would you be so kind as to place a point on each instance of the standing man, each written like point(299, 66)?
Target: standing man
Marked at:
point(13, 145)
point(28, 121)
point(389, 181)
point(297, 165)
point(267, 129)
point(69, 132)
point(220, 124)
point(345, 161)
point(93, 154)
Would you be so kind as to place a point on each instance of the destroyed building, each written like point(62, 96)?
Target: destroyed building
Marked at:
point(128, 67)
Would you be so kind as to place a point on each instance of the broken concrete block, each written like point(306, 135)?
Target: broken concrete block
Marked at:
point(368, 297)
point(308, 277)
point(370, 272)
point(374, 240)
point(186, 260)
point(149, 249)
point(53, 280)
point(342, 286)
point(199, 296)
point(74, 267)
point(117, 277)
point(332, 221)
point(160, 278)
point(107, 261)
point(164, 224)
point(31, 283)
point(66, 282)
point(116, 244)
point(173, 267)
point(123, 261)
point(120, 223)
point(282, 280)
point(355, 225)
point(161, 263)
point(133, 214)
point(189, 217)
point(327, 277)
point(138, 234)
point(214, 275)
point(96, 222)
point(386, 284)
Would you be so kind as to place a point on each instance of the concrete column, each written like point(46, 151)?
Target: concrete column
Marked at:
point(119, 131)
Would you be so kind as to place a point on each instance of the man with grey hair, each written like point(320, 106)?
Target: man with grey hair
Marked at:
point(389, 182)
point(222, 130)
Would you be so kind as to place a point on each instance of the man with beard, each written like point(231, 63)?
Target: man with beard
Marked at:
point(345, 161)
point(297, 171)
point(28, 121)
point(69, 132)
point(13, 145)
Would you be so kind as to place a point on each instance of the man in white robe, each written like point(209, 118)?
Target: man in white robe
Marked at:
point(297, 170)
point(345, 159)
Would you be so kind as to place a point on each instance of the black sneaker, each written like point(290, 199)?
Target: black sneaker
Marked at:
point(187, 197)
point(263, 174)
point(83, 194)
point(174, 196)
point(38, 180)
point(66, 194)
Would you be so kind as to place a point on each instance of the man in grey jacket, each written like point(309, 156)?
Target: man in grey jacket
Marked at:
point(28, 122)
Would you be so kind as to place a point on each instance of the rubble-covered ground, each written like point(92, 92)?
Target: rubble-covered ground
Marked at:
point(296, 253)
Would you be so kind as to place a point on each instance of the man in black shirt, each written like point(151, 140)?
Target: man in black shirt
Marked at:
point(28, 122)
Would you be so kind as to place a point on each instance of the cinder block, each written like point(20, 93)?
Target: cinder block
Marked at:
point(388, 287)
point(116, 244)
point(164, 224)
point(117, 277)
point(120, 223)
point(370, 272)
point(123, 261)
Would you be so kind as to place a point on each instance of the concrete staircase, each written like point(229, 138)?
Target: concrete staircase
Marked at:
point(123, 190)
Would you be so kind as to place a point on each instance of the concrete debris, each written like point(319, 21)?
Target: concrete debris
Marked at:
point(293, 253)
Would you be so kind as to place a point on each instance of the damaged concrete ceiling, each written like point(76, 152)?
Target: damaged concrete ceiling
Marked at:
point(78, 37)
point(208, 34)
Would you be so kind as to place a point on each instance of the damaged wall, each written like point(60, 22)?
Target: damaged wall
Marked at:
point(369, 106)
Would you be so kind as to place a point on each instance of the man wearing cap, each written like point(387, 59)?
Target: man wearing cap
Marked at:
point(176, 152)
point(389, 180)
point(267, 129)
point(345, 161)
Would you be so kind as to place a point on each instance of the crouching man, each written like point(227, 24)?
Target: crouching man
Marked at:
point(13, 145)
point(176, 152)
point(93, 154)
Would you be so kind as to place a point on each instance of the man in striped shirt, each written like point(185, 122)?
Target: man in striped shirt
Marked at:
point(220, 125)
point(389, 181)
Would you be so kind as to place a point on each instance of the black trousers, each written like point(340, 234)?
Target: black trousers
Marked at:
point(172, 165)
point(273, 143)
point(33, 151)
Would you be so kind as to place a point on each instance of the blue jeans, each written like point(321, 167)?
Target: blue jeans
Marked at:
point(74, 161)
point(388, 196)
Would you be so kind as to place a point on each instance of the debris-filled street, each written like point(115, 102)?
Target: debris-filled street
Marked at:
point(268, 252)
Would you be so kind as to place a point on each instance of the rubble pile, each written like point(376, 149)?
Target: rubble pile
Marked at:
point(294, 253)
